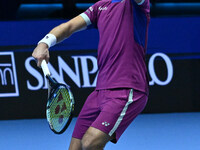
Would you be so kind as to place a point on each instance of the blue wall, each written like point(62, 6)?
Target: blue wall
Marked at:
point(169, 35)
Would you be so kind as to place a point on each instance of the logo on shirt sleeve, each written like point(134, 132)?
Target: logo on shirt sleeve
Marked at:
point(91, 9)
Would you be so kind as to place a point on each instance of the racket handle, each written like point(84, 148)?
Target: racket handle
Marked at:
point(45, 68)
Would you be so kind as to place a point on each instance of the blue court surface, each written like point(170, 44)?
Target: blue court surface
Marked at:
point(173, 131)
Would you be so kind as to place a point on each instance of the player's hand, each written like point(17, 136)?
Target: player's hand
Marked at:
point(41, 52)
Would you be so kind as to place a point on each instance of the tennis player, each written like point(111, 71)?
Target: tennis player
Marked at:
point(122, 86)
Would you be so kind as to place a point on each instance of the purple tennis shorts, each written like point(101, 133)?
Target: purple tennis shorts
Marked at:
point(110, 111)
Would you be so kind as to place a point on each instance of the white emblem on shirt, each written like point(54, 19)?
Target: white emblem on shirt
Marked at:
point(103, 8)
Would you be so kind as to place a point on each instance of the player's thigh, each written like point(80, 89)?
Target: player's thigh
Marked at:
point(88, 114)
point(75, 144)
point(95, 138)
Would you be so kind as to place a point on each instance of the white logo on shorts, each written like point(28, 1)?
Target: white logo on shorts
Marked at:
point(105, 123)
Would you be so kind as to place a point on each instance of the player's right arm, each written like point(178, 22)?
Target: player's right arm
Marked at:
point(57, 35)
point(65, 30)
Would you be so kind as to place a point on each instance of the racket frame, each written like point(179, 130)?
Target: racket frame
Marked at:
point(52, 88)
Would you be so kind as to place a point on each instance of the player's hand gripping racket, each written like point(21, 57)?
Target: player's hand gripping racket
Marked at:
point(60, 105)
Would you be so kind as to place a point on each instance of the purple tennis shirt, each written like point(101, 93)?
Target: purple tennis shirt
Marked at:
point(123, 31)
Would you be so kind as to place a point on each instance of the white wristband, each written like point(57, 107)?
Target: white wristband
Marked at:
point(49, 39)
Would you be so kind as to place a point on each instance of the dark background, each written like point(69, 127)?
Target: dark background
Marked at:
point(17, 9)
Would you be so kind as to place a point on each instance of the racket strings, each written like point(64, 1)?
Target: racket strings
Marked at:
point(60, 109)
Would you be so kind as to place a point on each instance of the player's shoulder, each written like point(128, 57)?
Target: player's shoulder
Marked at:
point(103, 1)
point(144, 5)
point(100, 2)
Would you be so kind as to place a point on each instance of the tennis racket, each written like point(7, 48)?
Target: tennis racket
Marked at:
point(60, 104)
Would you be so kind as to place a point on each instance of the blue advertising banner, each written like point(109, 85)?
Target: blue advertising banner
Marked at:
point(169, 35)
point(173, 59)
